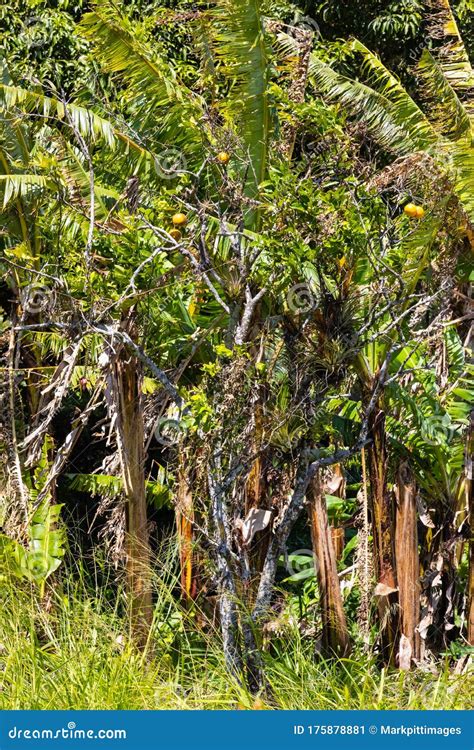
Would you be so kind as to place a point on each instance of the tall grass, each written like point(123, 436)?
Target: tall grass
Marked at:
point(73, 650)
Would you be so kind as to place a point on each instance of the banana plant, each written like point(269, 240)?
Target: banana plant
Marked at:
point(442, 128)
point(442, 132)
point(45, 546)
point(45, 550)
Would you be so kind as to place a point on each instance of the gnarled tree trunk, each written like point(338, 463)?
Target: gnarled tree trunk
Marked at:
point(469, 489)
point(184, 524)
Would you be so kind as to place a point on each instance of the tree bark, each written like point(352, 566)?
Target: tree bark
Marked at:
point(132, 460)
point(257, 496)
point(184, 524)
point(408, 566)
point(469, 489)
point(226, 584)
point(335, 633)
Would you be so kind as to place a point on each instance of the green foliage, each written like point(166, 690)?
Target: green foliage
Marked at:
point(298, 238)
point(45, 547)
point(87, 660)
point(37, 37)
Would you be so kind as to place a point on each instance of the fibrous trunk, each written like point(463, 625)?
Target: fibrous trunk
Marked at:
point(256, 497)
point(469, 489)
point(383, 542)
point(335, 635)
point(132, 460)
point(184, 524)
point(408, 567)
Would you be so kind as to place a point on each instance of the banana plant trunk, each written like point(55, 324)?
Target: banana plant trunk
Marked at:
point(184, 524)
point(383, 522)
point(335, 635)
point(469, 490)
point(408, 567)
point(132, 459)
point(257, 497)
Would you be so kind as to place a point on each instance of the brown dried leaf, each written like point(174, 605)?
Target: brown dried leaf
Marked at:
point(382, 589)
point(257, 519)
point(404, 653)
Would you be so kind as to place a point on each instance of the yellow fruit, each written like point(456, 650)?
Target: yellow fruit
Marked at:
point(411, 210)
point(420, 212)
point(223, 157)
point(175, 234)
point(179, 219)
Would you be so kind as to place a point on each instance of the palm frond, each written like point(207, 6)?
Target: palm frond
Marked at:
point(462, 154)
point(416, 249)
point(446, 109)
point(392, 117)
point(87, 122)
point(452, 56)
point(16, 186)
point(405, 110)
point(242, 50)
point(162, 103)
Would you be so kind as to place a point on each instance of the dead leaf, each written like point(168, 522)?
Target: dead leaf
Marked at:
point(382, 589)
point(423, 512)
point(424, 624)
point(257, 519)
point(334, 483)
point(404, 653)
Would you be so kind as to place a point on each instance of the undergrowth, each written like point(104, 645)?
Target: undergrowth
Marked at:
point(72, 650)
